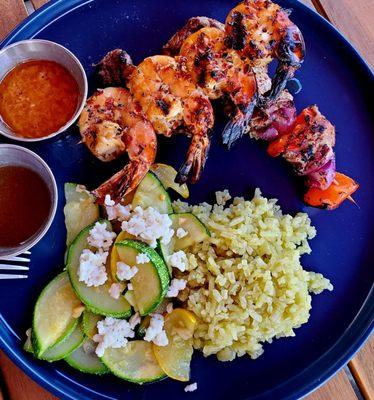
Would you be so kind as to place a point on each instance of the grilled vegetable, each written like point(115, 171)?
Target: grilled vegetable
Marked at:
point(53, 318)
point(66, 347)
point(151, 282)
point(96, 299)
point(167, 174)
point(151, 193)
point(85, 360)
point(341, 189)
point(80, 210)
point(175, 358)
point(134, 363)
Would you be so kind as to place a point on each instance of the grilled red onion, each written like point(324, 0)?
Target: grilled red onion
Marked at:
point(323, 177)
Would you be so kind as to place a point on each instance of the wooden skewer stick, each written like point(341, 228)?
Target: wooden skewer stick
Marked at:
point(350, 198)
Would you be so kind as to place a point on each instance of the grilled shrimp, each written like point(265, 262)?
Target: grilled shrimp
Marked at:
point(261, 30)
point(111, 124)
point(219, 72)
point(172, 102)
point(194, 24)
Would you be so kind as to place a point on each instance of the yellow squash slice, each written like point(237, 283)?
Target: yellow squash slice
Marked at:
point(175, 358)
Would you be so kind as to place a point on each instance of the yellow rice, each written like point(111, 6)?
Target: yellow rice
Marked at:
point(245, 283)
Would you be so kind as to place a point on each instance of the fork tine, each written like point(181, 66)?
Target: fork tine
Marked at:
point(26, 252)
point(13, 267)
point(15, 258)
point(12, 276)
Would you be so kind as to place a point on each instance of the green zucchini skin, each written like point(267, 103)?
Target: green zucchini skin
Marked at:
point(159, 265)
point(93, 298)
point(86, 363)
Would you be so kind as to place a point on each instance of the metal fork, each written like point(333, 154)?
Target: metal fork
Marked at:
point(14, 263)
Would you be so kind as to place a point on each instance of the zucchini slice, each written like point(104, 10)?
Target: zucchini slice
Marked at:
point(64, 348)
point(196, 232)
point(85, 360)
point(114, 258)
point(143, 326)
point(151, 282)
point(151, 193)
point(80, 210)
point(89, 323)
point(134, 363)
point(53, 314)
point(167, 174)
point(175, 358)
point(96, 299)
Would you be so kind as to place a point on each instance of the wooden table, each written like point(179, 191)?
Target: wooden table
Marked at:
point(355, 18)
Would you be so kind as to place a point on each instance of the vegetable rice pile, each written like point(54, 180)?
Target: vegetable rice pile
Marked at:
point(245, 283)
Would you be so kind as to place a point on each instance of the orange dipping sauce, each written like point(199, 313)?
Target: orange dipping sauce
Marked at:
point(37, 98)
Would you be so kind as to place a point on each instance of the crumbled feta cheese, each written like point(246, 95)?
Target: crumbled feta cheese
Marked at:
point(115, 290)
point(125, 272)
point(92, 269)
point(169, 308)
point(181, 233)
point(222, 197)
point(161, 339)
point(142, 258)
point(129, 286)
point(108, 201)
point(191, 388)
point(178, 260)
point(155, 332)
point(175, 287)
point(100, 237)
point(112, 333)
point(116, 211)
point(149, 225)
point(134, 320)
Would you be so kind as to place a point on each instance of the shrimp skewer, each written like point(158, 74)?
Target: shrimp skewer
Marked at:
point(112, 124)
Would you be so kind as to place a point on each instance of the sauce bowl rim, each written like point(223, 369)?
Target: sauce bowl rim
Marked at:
point(84, 96)
point(14, 251)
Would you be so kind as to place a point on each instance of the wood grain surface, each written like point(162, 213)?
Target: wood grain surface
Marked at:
point(38, 3)
point(18, 386)
point(362, 368)
point(355, 18)
point(12, 12)
point(337, 388)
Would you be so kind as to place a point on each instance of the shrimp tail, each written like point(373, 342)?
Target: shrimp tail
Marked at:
point(239, 125)
point(291, 54)
point(197, 155)
point(115, 68)
point(123, 182)
point(282, 75)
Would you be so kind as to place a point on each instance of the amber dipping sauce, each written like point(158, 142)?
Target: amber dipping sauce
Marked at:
point(25, 204)
point(37, 98)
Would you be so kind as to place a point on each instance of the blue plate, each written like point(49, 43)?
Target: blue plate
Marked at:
point(333, 76)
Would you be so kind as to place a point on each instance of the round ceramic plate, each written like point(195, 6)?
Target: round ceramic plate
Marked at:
point(334, 77)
